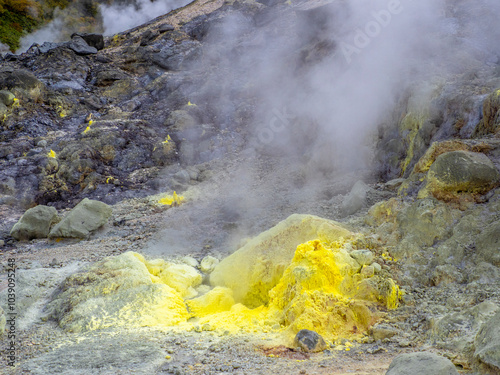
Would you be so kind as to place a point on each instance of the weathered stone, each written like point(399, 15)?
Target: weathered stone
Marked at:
point(208, 264)
point(35, 223)
point(93, 40)
point(421, 362)
point(487, 344)
point(6, 97)
point(383, 331)
point(457, 172)
point(490, 124)
point(80, 46)
point(7, 185)
point(363, 257)
point(23, 83)
point(488, 243)
point(257, 267)
point(85, 218)
point(309, 341)
point(424, 222)
point(177, 56)
point(456, 331)
point(107, 77)
point(446, 274)
point(355, 200)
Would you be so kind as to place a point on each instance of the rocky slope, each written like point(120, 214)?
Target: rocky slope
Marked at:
point(230, 104)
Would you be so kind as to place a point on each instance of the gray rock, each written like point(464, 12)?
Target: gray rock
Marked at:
point(177, 56)
point(165, 27)
point(446, 274)
point(6, 97)
point(421, 363)
point(35, 223)
point(93, 40)
point(85, 218)
point(80, 46)
point(107, 77)
point(456, 172)
point(182, 176)
point(47, 46)
point(363, 257)
point(7, 186)
point(394, 185)
point(309, 341)
point(487, 344)
point(355, 200)
point(383, 331)
point(488, 243)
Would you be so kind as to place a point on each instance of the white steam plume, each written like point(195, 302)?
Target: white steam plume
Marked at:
point(119, 17)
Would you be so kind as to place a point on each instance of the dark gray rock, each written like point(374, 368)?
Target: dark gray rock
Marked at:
point(80, 46)
point(177, 56)
point(421, 363)
point(93, 40)
point(309, 341)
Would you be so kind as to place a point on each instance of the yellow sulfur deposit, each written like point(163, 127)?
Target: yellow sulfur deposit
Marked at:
point(215, 301)
point(311, 295)
point(181, 277)
point(319, 288)
point(262, 261)
point(171, 200)
point(52, 154)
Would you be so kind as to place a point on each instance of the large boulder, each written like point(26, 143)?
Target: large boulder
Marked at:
point(86, 217)
point(421, 363)
point(457, 172)
point(35, 223)
point(487, 344)
point(253, 270)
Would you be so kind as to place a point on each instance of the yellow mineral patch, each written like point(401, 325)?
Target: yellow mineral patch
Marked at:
point(257, 267)
point(319, 288)
point(311, 294)
point(171, 200)
point(168, 139)
point(215, 301)
point(52, 154)
point(191, 104)
point(181, 277)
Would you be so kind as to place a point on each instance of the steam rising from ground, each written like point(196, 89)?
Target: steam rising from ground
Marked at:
point(321, 82)
point(337, 89)
point(119, 17)
point(113, 18)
